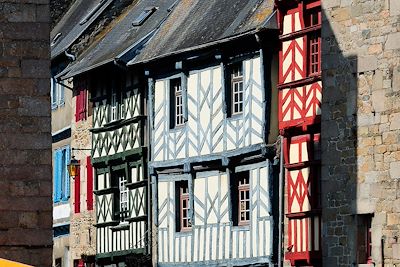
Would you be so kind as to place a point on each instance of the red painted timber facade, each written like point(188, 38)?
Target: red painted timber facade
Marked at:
point(300, 95)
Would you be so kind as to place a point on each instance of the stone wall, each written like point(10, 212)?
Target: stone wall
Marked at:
point(82, 231)
point(361, 128)
point(25, 139)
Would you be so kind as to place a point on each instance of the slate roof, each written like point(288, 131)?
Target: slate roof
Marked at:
point(123, 37)
point(195, 23)
point(71, 28)
point(176, 26)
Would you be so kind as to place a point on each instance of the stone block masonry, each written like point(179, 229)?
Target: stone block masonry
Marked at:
point(360, 130)
point(25, 138)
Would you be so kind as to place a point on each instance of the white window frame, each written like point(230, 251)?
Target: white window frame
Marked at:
point(237, 87)
point(113, 105)
point(179, 120)
point(123, 196)
point(57, 94)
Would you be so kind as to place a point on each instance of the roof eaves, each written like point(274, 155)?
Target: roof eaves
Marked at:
point(194, 48)
point(71, 73)
point(269, 23)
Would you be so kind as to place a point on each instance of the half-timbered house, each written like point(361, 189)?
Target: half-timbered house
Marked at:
point(119, 136)
point(210, 73)
point(73, 236)
point(300, 95)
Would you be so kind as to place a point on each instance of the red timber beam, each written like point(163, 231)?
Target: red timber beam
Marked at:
point(300, 96)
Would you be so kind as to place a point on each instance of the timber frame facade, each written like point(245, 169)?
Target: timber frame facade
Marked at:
point(119, 156)
point(300, 96)
point(204, 214)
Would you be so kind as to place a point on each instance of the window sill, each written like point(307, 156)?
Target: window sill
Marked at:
point(105, 191)
point(121, 226)
point(111, 123)
point(105, 224)
point(245, 227)
point(137, 184)
point(61, 202)
point(236, 116)
point(184, 232)
point(178, 128)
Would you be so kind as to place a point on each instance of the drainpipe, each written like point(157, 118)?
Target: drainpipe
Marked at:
point(71, 56)
point(281, 205)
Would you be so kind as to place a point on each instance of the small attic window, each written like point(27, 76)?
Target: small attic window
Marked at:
point(56, 38)
point(143, 16)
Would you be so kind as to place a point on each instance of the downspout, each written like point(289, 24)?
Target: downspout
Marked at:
point(281, 204)
point(70, 56)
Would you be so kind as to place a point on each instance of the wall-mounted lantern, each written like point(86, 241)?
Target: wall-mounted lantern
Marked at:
point(73, 167)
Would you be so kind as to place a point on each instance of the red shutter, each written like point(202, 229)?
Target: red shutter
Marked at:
point(89, 183)
point(81, 99)
point(76, 106)
point(84, 104)
point(77, 187)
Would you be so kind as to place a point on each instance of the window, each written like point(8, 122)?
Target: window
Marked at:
point(56, 38)
point(143, 16)
point(237, 88)
point(314, 47)
point(57, 94)
point(58, 262)
point(183, 210)
point(244, 199)
point(113, 105)
point(123, 197)
point(79, 263)
point(61, 176)
point(176, 109)
point(313, 16)
point(364, 242)
point(241, 198)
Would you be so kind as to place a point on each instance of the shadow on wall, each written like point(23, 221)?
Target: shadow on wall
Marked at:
point(341, 243)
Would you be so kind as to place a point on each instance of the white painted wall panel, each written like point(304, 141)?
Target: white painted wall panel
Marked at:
point(215, 240)
point(206, 128)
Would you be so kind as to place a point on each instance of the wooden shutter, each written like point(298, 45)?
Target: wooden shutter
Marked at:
point(57, 175)
point(89, 183)
point(61, 99)
point(54, 176)
point(84, 104)
point(81, 104)
point(53, 93)
point(66, 174)
point(78, 105)
point(77, 192)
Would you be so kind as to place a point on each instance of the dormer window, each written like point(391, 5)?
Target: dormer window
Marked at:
point(56, 38)
point(143, 16)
